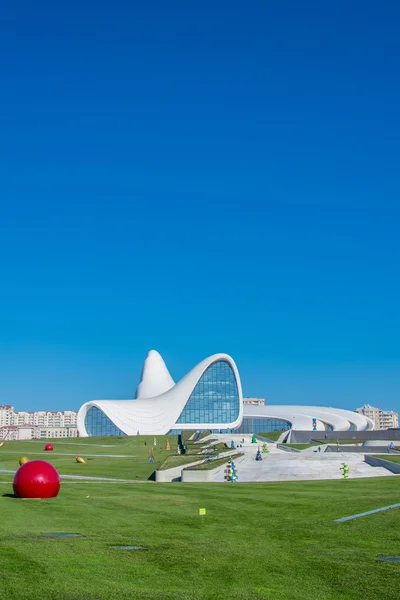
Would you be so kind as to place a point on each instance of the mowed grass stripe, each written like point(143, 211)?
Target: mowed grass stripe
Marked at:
point(257, 541)
point(133, 465)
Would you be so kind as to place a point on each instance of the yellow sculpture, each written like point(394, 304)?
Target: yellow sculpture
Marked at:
point(79, 459)
point(23, 460)
point(167, 445)
point(1, 444)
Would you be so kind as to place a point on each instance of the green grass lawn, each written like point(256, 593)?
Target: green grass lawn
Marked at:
point(134, 464)
point(342, 442)
point(204, 434)
point(213, 464)
point(191, 457)
point(272, 435)
point(390, 457)
point(186, 435)
point(302, 446)
point(273, 541)
point(180, 460)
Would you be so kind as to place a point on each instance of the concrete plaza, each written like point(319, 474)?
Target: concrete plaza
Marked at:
point(283, 465)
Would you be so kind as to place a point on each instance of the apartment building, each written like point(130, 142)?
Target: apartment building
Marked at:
point(13, 432)
point(54, 432)
point(42, 418)
point(383, 419)
point(32, 432)
point(36, 425)
point(6, 413)
point(254, 401)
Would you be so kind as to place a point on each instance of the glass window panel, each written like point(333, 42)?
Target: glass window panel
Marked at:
point(215, 399)
point(97, 423)
point(260, 425)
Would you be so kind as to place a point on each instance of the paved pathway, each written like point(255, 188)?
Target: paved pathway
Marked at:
point(280, 465)
point(87, 478)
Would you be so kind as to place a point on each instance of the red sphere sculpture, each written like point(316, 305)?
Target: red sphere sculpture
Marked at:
point(49, 447)
point(36, 479)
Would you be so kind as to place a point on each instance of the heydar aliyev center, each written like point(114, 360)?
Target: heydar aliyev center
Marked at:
point(208, 397)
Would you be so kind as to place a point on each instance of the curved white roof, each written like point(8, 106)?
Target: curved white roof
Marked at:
point(160, 402)
point(300, 417)
point(155, 378)
point(158, 414)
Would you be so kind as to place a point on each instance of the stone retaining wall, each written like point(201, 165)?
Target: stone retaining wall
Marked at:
point(174, 473)
point(358, 449)
point(303, 437)
point(374, 461)
point(197, 476)
point(287, 448)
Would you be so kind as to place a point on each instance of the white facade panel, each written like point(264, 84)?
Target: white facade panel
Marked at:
point(159, 404)
point(159, 414)
point(301, 417)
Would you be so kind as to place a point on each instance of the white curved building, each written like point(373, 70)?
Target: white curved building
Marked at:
point(208, 397)
point(257, 419)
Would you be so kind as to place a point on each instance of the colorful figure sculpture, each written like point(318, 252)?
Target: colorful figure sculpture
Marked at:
point(79, 459)
point(345, 470)
point(178, 450)
point(258, 455)
point(49, 447)
point(154, 442)
point(151, 455)
point(232, 444)
point(254, 439)
point(36, 479)
point(23, 460)
point(265, 448)
point(230, 471)
point(167, 445)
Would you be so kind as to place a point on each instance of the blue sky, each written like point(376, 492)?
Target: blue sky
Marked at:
point(198, 177)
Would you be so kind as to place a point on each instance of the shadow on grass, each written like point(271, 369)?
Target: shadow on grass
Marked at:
point(9, 496)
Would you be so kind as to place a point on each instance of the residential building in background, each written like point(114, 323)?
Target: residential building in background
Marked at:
point(254, 401)
point(40, 424)
point(6, 413)
point(383, 419)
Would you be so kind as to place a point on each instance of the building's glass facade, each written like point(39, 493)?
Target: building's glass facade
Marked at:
point(97, 423)
point(215, 399)
point(260, 425)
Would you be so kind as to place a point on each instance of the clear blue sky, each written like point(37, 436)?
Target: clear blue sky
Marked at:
point(198, 177)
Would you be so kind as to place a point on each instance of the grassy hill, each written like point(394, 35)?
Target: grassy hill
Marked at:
point(257, 541)
point(118, 457)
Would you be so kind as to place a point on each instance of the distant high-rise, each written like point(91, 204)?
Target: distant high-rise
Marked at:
point(383, 419)
point(254, 401)
point(39, 424)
